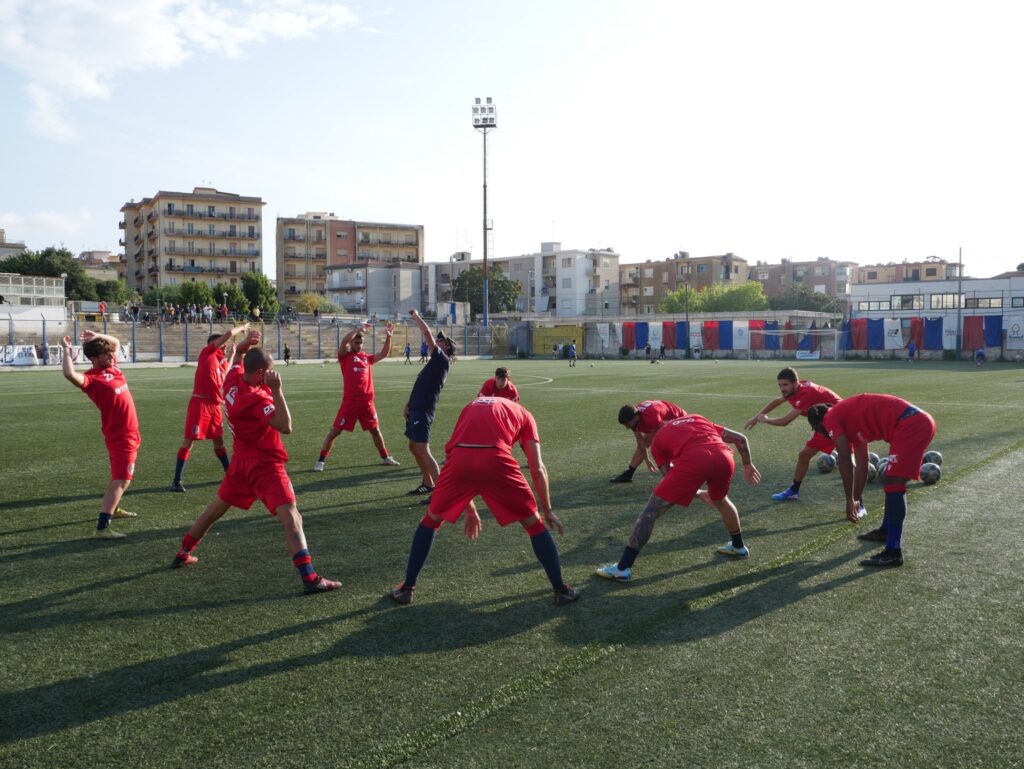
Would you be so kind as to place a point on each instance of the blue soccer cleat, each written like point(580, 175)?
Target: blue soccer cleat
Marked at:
point(786, 496)
point(612, 571)
point(736, 552)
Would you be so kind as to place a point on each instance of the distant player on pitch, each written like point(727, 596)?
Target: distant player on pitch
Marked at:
point(480, 462)
point(203, 417)
point(357, 397)
point(690, 452)
point(258, 414)
point(644, 419)
point(853, 423)
point(499, 386)
point(106, 387)
point(422, 403)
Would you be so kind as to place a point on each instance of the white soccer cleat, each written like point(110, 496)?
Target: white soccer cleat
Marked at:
point(861, 511)
point(391, 461)
point(318, 467)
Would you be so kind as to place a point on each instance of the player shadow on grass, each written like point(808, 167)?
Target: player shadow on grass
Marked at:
point(64, 501)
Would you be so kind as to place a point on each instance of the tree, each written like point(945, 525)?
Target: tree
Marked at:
point(1020, 267)
point(260, 293)
point(196, 293)
point(745, 297)
point(307, 302)
point(237, 301)
point(113, 292)
point(502, 291)
point(52, 262)
point(801, 297)
point(165, 295)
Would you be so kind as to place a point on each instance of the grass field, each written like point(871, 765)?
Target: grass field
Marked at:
point(795, 657)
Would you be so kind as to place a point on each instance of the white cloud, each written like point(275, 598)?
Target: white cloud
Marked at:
point(72, 49)
point(46, 228)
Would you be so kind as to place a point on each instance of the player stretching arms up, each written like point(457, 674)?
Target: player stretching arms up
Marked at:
point(644, 419)
point(422, 403)
point(801, 394)
point(203, 417)
point(357, 398)
point(480, 461)
point(258, 414)
point(690, 452)
point(853, 423)
point(106, 387)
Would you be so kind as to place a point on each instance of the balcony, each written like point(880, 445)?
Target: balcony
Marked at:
point(121, 225)
point(192, 268)
point(150, 215)
point(137, 220)
point(121, 242)
point(137, 238)
point(151, 234)
point(237, 217)
point(295, 237)
point(152, 269)
point(207, 234)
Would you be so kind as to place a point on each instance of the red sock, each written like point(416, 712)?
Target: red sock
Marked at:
point(221, 452)
point(188, 544)
point(183, 454)
point(383, 453)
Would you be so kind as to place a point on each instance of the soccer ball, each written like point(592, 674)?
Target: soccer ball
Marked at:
point(933, 457)
point(872, 472)
point(591, 365)
point(835, 454)
point(930, 473)
point(826, 463)
point(881, 467)
point(873, 458)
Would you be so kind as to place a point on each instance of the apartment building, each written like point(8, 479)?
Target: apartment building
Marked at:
point(203, 236)
point(932, 268)
point(310, 246)
point(9, 247)
point(101, 265)
point(822, 275)
point(644, 286)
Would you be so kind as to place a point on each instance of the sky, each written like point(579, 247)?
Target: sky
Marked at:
point(870, 132)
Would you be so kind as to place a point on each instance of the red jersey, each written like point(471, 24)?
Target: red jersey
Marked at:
point(108, 389)
point(210, 371)
point(356, 376)
point(653, 414)
point(249, 409)
point(685, 434)
point(865, 418)
point(490, 389)
point(496, 422)
point(808, 394)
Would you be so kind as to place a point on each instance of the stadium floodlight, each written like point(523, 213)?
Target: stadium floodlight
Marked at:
point(485, 118)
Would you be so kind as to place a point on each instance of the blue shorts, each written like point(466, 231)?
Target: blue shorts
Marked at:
point(417, 426)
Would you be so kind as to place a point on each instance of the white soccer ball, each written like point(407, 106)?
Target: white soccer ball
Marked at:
point(930, 473)
point(591, 365)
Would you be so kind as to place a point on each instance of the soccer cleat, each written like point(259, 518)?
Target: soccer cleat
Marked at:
point(120, 512)
point(566, 594)
point(402, 594)
point(391, 461)
point(875, 535)
point(176, 486)
point(612, 571)
point(736, 552)
point(318, 467)
point(623, 478)
point(422, 489)
point(320, 586)
point(426, 500)
point(884, 560)
point(786, 496)
point(188, 560)
point(107, 533)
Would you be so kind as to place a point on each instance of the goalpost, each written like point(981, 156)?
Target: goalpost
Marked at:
point(818, 333)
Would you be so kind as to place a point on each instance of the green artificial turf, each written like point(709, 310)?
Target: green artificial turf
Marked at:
point(794, 657)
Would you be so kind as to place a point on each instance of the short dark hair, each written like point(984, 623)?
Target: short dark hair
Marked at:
point(816, 415)
point(789, 374)
point(626, 414)
point(255, 359)
point(97, 346)
point(211, 337)
point(502, 372)
point(449, 343)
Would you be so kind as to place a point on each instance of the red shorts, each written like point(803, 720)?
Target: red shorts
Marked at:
point(363, 411)
point(252, 478)
point(821, 443)
point(700, 466)
point(123, 452)
point(909, 443)
point(203, 420)
point(490, 473)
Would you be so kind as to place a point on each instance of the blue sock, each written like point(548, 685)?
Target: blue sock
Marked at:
point(546, 550)
point(179, 469)
point(223, 457)
point(422, 541)
point(104, 521)
point(628, 557)
point(895, 512)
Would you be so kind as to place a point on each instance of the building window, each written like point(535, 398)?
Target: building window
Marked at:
point(931, 272)
point(993, 303)
point(251, 213)
point(517, 267)
point(290, 234)
point(566, 282)
point(171, 244)
point(252, 231)
point(664, 277)
point(170, 208)
point(211, 210)
point(189, 229)
point(701, 269)
point(944, 301)
point(872, 306)
point(648, 272)
point(648, 309)
point(342, 234)
point(211, 230)
point(251, 250)
point(1017, 301)
point(648, 290)
point(189, 209)
point(907, 302)
point(872, 275)
point(567, 262)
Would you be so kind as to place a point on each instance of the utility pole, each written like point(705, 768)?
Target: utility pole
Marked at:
point(485, 118)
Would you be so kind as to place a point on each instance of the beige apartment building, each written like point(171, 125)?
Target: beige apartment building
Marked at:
point(101, 265)
point(313, 245)
point(822, 275)
point(179, 237)
point(932, 268)
point(645, 286)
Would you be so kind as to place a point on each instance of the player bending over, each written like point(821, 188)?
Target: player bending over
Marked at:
point(499, 386)
point(479, 461)
point(644, 419)
point(258, 415)
point(853, 423)
point(690, 452)
point(106, 387)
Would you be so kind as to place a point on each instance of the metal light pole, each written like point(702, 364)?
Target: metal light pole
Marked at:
point(485, 118)
point(686, 308)
point(529, 290)
point(959, 305)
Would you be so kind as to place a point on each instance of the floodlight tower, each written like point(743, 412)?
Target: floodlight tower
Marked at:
point(485, 118)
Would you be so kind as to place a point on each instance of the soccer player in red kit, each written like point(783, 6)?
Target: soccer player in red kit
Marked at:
point(800, 394)
point(644, 419)
point(479, 461)
point(499, 386)
point(853, 423)
point(258, 415)
point(203, 417)
point(690, 451)
point(357, 396)
point(106, 387)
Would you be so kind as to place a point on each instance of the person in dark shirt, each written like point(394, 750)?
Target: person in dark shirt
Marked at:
point(419, 411)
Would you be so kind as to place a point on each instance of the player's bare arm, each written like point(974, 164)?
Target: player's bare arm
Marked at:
point(428, 335)
point(227, 336)
point(843, 449)
point(346, 341)
point(539, 475)
point(473, 524)
point(772, 405)
point(281, 419)
point(69, 365)
point(90, 334)
point(385, 351)
point(779, 421)
point(750, 473)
